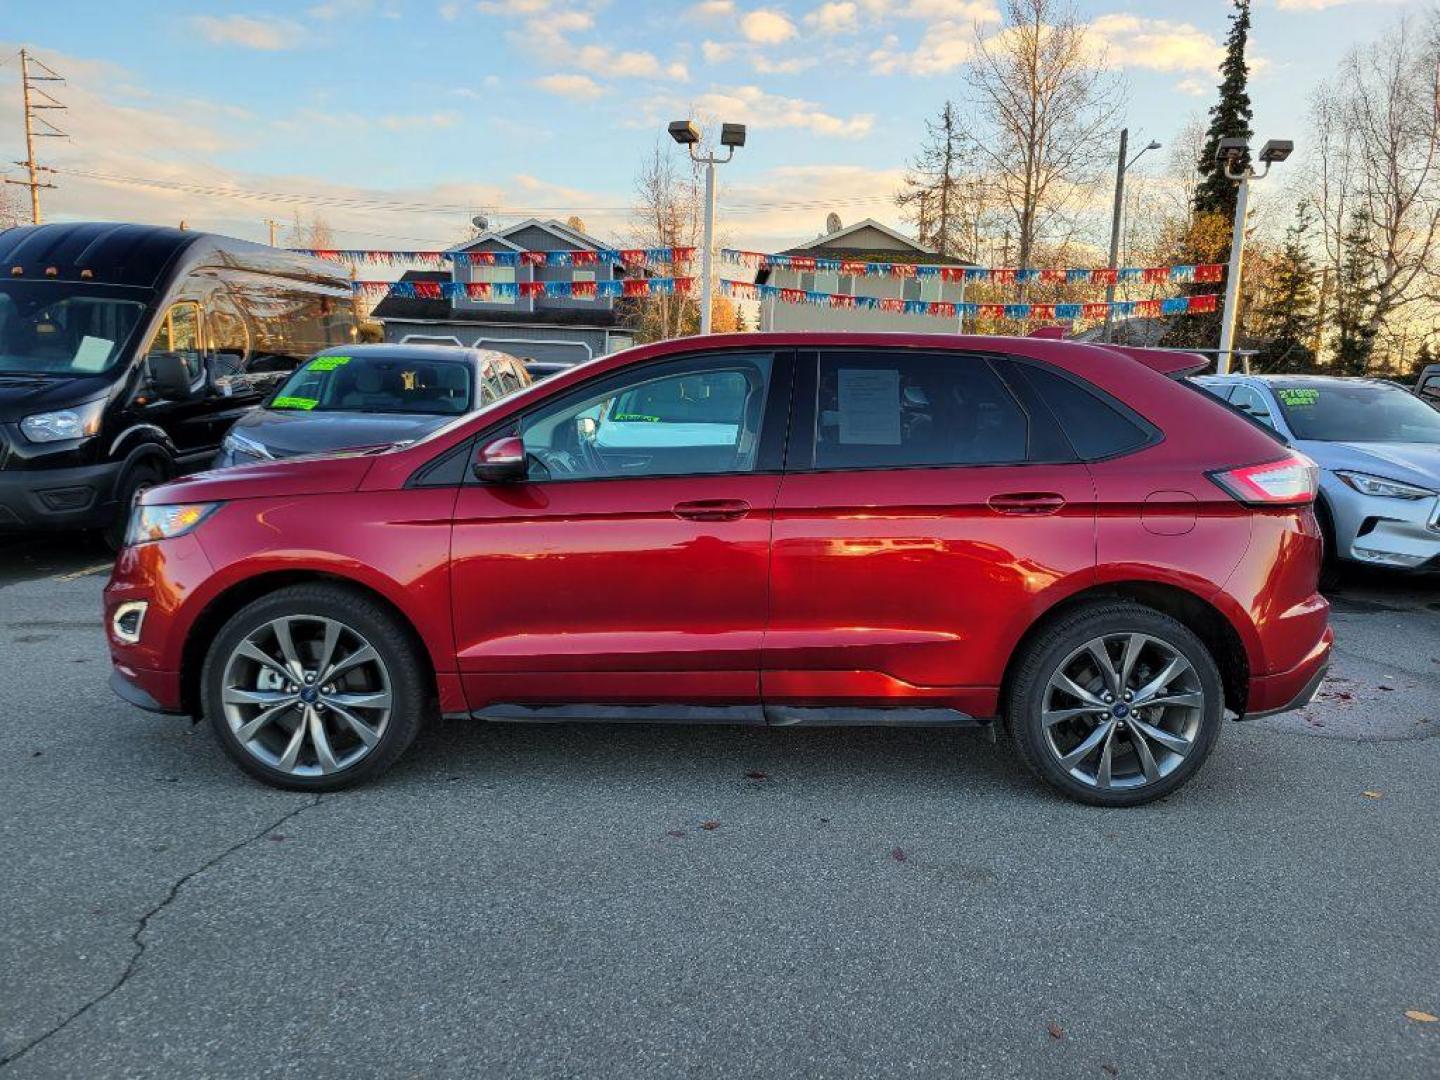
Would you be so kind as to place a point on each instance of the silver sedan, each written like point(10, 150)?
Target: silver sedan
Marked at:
point(1378, 449)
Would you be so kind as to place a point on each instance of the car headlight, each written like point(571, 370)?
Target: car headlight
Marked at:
point(1378, 485)
point(78, 423)
point(239, 444)
point(149, 523)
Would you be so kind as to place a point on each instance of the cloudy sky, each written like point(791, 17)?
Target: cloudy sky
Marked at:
point(399, 119)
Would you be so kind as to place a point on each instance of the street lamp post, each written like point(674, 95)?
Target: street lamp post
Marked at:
point(1230, 156)
point(1121, 168)
point(687, 134)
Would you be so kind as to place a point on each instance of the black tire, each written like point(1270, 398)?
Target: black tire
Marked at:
point(1331, 569)
point(409, 685)
point(142, 475)
point(1044, 655)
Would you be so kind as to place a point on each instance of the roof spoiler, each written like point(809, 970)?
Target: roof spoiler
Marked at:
point(1172, 363)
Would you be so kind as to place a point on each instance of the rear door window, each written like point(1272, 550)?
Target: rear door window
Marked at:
point(1253, 404)
point(894, 409)
point(1097, 426)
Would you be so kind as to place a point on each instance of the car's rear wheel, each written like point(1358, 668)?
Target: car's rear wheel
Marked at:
point(1115, 705)
point(314, 688)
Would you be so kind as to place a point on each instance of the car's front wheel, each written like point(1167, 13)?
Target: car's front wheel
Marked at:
point(314, 687)
point(1115, 705)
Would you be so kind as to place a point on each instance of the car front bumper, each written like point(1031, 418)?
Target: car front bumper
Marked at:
point(1403, 533)
point(75, 498)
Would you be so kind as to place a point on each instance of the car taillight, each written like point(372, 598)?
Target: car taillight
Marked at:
point(1290, 481)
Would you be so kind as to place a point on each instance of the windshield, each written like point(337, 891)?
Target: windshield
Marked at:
point(64, 329)
point(390, 384)
point(1356, 412)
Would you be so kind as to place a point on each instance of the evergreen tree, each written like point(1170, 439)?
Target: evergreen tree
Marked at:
point(1287, 318)
point(1355, 298)
point(1229, 119)
point(1423, 359)
point(940, 188)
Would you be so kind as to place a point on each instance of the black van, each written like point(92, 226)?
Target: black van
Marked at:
point(127, 351)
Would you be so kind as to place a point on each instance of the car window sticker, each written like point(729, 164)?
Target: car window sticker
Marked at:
point(1293, 395)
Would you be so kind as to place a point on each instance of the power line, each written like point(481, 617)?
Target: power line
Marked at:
point(360, 202)
point(36, 98)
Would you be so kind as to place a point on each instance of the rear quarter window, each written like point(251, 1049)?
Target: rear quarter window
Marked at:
point(1096, 426)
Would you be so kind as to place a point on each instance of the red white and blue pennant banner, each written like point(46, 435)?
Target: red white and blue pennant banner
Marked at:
point(1174, 305)
point(1105, 275)
point(580, 257)
point(514, 290)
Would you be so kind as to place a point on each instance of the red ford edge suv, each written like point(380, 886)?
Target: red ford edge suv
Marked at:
point(783, 529)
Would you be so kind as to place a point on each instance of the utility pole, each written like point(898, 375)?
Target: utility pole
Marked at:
point(1122, 166)
point(36, 98)
point(273, 226)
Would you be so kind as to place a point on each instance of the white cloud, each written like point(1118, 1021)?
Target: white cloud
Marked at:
point(852, 191)
point(716, 52)
point(446, 119)
point(251, 32)
point(1156, 44)
point(752, 105)
point(766, 27)
point(835, 17)
point(1194, 87)
point(1322, 5)
point(712, 9)
point(963, 11)
point(578, 87)
point(943, 47)
point(765, 66)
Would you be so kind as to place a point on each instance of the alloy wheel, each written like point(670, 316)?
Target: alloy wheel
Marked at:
point(306, 695)
point(1122, 711)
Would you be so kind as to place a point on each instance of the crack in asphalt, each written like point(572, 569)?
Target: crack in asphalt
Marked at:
point(137, 937)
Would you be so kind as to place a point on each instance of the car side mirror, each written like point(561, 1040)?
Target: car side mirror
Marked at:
point(500, 461)
point(169, 377)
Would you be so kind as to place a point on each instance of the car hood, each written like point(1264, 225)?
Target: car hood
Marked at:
point(1416, 463)
point(285, 433)
point(269, 479)
point(24, 395)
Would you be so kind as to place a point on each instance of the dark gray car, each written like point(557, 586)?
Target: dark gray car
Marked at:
point(362, 396)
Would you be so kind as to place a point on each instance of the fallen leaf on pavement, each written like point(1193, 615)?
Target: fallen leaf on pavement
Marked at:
point(709, 826)
point(757, 775)
point(1056, 1031)
point(1422, 1017)
point(1373, 794)
point(1110, 1070)
point(898, 855)
point(677, 833)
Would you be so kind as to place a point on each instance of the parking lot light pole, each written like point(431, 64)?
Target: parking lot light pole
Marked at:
point(1230, 155)
point(687, 134)
point(1121, 168)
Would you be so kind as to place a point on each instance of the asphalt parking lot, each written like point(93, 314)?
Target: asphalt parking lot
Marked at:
point(607, 901)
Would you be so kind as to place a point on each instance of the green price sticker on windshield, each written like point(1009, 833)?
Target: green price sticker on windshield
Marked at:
point(327, 363)
point(1301, 396)
point(294, 403)
point(635, 418)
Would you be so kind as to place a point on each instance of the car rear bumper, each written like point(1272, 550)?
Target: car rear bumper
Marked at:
point(1293, 689)
point(77, 498)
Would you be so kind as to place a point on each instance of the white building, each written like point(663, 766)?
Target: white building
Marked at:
point(867, 241)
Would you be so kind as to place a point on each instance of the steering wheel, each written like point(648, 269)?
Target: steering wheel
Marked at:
point(555, 462)
point(594, 463)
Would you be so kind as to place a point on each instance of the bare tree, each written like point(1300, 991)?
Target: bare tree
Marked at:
point(315, 233)
point(1377, 162)
point(944, 195)
point(667, 214)
point(1045, 104)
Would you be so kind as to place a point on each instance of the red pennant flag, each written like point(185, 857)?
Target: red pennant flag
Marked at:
point(1003, 277)
point(532, 288)
point(1095, 311)
point(1105, 276)
point(1154, 274)
point(792, 296)
point(584, 258)
point(1147, 307)
point(1209, 272)
point(802, 262)
point(582, 290)
point(532, 258)
point(892, 303)
point(683, 286)
point(632, 255)
point(902, 270)
point(942, 309)
point(853, 268)
point(682, 254)
point(994, 311)
point(1202, 304)
point(636, 286)
point(952, 273)
point(1042, 311)
point(1053, 276)
point(478, 290)
point(428, 290)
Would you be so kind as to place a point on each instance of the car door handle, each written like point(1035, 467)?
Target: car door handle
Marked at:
point(1027, 502)
point(711, 510)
